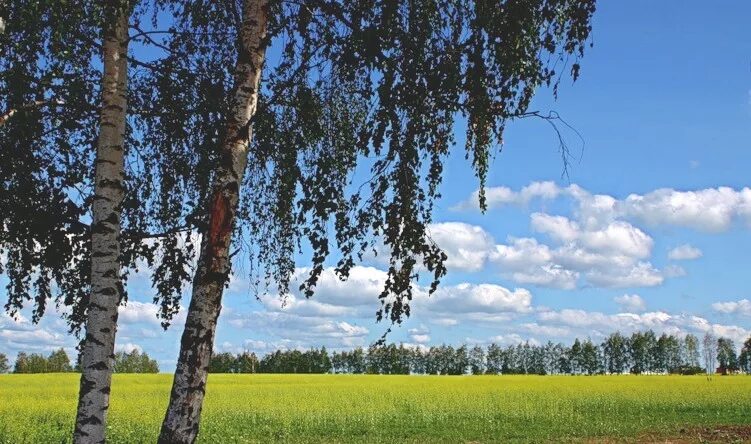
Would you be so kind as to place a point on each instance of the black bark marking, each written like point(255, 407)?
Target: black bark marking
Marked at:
point(101, 365)
point(91, 419)
point(90, 338)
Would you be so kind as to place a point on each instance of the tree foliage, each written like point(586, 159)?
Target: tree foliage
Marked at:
point(50, 73)
point(617, 354)
point(134, 362)
point(359, 90)
point(56, 362)
point(4, 364)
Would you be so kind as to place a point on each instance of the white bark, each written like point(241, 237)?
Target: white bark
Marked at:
point(106, 283)
point(183, 415)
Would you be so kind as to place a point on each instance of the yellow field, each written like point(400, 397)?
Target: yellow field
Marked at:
point(388, 409)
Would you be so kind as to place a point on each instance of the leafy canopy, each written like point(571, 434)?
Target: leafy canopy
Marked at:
point(372, 88)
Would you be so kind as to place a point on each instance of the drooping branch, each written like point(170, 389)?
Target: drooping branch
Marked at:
point(554, 119)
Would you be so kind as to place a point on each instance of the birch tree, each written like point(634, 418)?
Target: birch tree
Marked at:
point(709, 352)
point(97, 357)
point(188, 388)
point(70, 236)
point(379, 80)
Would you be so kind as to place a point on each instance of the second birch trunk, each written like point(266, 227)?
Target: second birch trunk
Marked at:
point(181, 421)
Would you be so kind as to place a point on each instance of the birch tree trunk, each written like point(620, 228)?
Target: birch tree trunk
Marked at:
point(106, 283)
point(181, 421)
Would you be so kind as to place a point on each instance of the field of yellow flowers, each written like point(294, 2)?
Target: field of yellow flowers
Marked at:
point(388, 409)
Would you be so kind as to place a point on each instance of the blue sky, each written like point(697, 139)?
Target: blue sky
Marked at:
point(650, 229)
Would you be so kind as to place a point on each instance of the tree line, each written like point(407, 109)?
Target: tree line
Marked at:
point(639, 353)
point(59, 362)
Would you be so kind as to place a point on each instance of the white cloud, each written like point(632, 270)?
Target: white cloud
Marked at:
point(684, 252)
point(305, 307)
point(709, 209)
point(673, 271)
point(357, 297)
point(420, 335)
point(135, 312)
point(558, 227)
point(643, 274)
point(600, 246)
point(509, 339)
point(20, 334)
point(600, 324)
point(609, 256)
point(312, 331)
point(631, 302)
point(500, 196)
point(38, 337)
point(445, 322)
point(546, 330)
point(526, 261)
point(742, 307)
point(362, 287)
point(617, 237)
point(475, 299)
point(466, 246)
point(128, 347)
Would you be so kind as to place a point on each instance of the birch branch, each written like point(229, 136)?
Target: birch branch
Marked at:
point(34, 104)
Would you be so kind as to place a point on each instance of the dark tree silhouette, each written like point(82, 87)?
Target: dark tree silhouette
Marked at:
point(379, 84)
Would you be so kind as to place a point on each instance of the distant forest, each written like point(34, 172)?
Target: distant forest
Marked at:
point(640, 353)
point(59, 362)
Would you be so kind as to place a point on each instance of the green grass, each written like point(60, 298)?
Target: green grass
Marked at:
point(387, 409)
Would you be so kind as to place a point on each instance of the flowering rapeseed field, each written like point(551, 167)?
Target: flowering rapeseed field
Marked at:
point(387, 409)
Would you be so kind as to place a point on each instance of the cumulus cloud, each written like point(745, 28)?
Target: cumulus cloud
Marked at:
point(684, 252)
point(357, 297)
point(508, 339)
point(445, 322)
point(673, 271)
point(526, 261)
point(420, 335)
point(465, 245)
point(609, 256)
point(600, 245)
point(500, 196)
point(558, 227)
point(631, 302)
point(136, 312)
point(708, 209)
point(546, 330)
point(601, 324)
point(128, 347)
point(362, 287)
point(618, 237)
point(20, 334)
point(301, 306)
point(476, 301)
point(711, 209)
point(35, 337)
point(643, 274)
point(742, 307)
point(303, 331)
